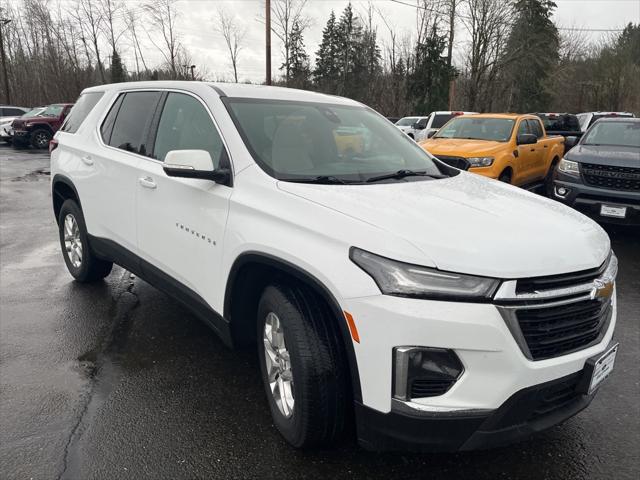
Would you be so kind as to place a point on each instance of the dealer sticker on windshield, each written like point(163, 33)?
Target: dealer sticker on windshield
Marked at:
point(602, 367)
point(613, 211)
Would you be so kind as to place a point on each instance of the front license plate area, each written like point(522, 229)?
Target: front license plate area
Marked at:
point(613, 211)
point(597, 369)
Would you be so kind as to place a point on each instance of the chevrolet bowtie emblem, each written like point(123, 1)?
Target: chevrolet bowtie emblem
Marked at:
point(602, 289)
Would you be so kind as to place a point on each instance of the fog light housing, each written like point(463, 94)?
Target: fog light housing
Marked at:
point(561, 192)
point(420, 372)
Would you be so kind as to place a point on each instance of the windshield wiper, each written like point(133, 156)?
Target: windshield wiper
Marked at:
point(321, 179)
point(402, 174)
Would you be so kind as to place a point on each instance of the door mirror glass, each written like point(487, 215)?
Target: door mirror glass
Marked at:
point(526, 139)
point(193, 164)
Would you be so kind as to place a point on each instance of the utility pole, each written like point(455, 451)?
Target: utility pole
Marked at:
point(4, 21)
point(268, 39)
point(192, 67)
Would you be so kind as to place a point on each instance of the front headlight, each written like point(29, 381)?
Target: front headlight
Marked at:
point(406, 280)
point(569, 167)
point(480, 161)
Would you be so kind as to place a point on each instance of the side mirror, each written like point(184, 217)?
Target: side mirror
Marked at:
point(526, 139)
point(431, 133)
point(194, 164)
point(570, 142)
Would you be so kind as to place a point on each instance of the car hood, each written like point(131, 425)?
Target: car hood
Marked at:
point(605, 155)
point(460, 147)
point(470, 224)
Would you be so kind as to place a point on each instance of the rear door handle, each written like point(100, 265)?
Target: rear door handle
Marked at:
point(147, 182)
point(87, 160)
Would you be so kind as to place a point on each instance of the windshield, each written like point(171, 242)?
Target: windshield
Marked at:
point(622, 134)
point(493, 129)
point(52, 111)
point(34, 112)
point(302, 141)
point(565, 123)
point(407, 121)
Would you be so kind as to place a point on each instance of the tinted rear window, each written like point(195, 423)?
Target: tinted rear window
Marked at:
point(133, 115)
point(440, 120)
point(560, 123)
point(80, 110)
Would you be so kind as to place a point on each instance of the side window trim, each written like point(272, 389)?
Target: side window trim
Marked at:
point(118, 100)
point(155, 122)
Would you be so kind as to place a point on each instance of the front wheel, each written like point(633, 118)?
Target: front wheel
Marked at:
point(505, 176)
point(81, 262)
point(303, 366)
point(548, 181)
point(40, 138)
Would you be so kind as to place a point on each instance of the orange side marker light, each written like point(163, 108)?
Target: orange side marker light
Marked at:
point(352, 327)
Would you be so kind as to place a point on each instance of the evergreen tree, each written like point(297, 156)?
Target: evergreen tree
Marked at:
point(431, 75)
point(326, 71)
point(298, 64)
point(531, 54)
point(117, 70)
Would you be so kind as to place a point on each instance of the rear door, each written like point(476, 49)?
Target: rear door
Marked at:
point(109, 168)
point(181, 221)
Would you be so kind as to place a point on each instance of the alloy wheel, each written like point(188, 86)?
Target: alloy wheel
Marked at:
point(278, 363)
point(72, 241)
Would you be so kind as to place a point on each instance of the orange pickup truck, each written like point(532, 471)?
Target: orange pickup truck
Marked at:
point(509, 147)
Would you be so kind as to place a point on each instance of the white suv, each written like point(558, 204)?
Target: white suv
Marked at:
point(434, 308)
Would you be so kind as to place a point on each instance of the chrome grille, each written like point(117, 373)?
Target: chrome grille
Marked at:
point(572, 313)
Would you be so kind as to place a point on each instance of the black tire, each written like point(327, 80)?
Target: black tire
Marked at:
point(505, 176)
point(90, 268)
point(40, 138)
point(548, 180)
point(318, 363)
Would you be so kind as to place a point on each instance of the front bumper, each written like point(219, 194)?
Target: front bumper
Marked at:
point(528, 411)
point(588, 199)
point(491, 403)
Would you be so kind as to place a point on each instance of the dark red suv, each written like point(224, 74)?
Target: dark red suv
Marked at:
point(37, 131)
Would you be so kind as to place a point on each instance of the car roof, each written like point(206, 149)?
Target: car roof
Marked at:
point(233, 90)
point(607, 113)
point(618, 120)
point(510, 116)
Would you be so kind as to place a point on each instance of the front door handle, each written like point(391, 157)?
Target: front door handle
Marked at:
point(147, 182)
point(87, 160)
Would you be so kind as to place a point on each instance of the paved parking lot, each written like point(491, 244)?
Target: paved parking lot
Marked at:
point(116, 380)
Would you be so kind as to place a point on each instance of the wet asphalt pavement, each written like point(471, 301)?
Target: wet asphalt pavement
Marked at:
point(117, 380)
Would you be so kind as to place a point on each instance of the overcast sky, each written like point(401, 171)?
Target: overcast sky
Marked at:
point(196, 26)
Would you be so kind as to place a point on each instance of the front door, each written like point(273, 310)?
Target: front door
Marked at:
point(527, 158)
point(181, 221)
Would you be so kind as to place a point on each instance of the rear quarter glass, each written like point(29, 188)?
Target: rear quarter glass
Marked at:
point(86, 102)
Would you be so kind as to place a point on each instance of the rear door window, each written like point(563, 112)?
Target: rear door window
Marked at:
point(130, 131)
point(440, 119)
point(185, 124)
point(80, 110)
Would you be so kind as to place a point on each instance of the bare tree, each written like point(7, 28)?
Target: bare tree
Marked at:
point(91, 20)
point(233, 36)
point(284, 15)
point(487, 23)
point(132, 20)
point(163, 17)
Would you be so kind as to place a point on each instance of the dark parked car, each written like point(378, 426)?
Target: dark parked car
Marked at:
point(600, 176)
point(38, 130)
point(563, 124)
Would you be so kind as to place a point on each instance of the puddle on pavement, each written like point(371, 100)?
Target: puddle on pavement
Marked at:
point(38, 174)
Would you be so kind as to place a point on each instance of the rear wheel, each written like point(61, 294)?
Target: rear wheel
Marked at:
point(303, 366)
point(505, 176)
point(40, 138)
point(81, 262)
